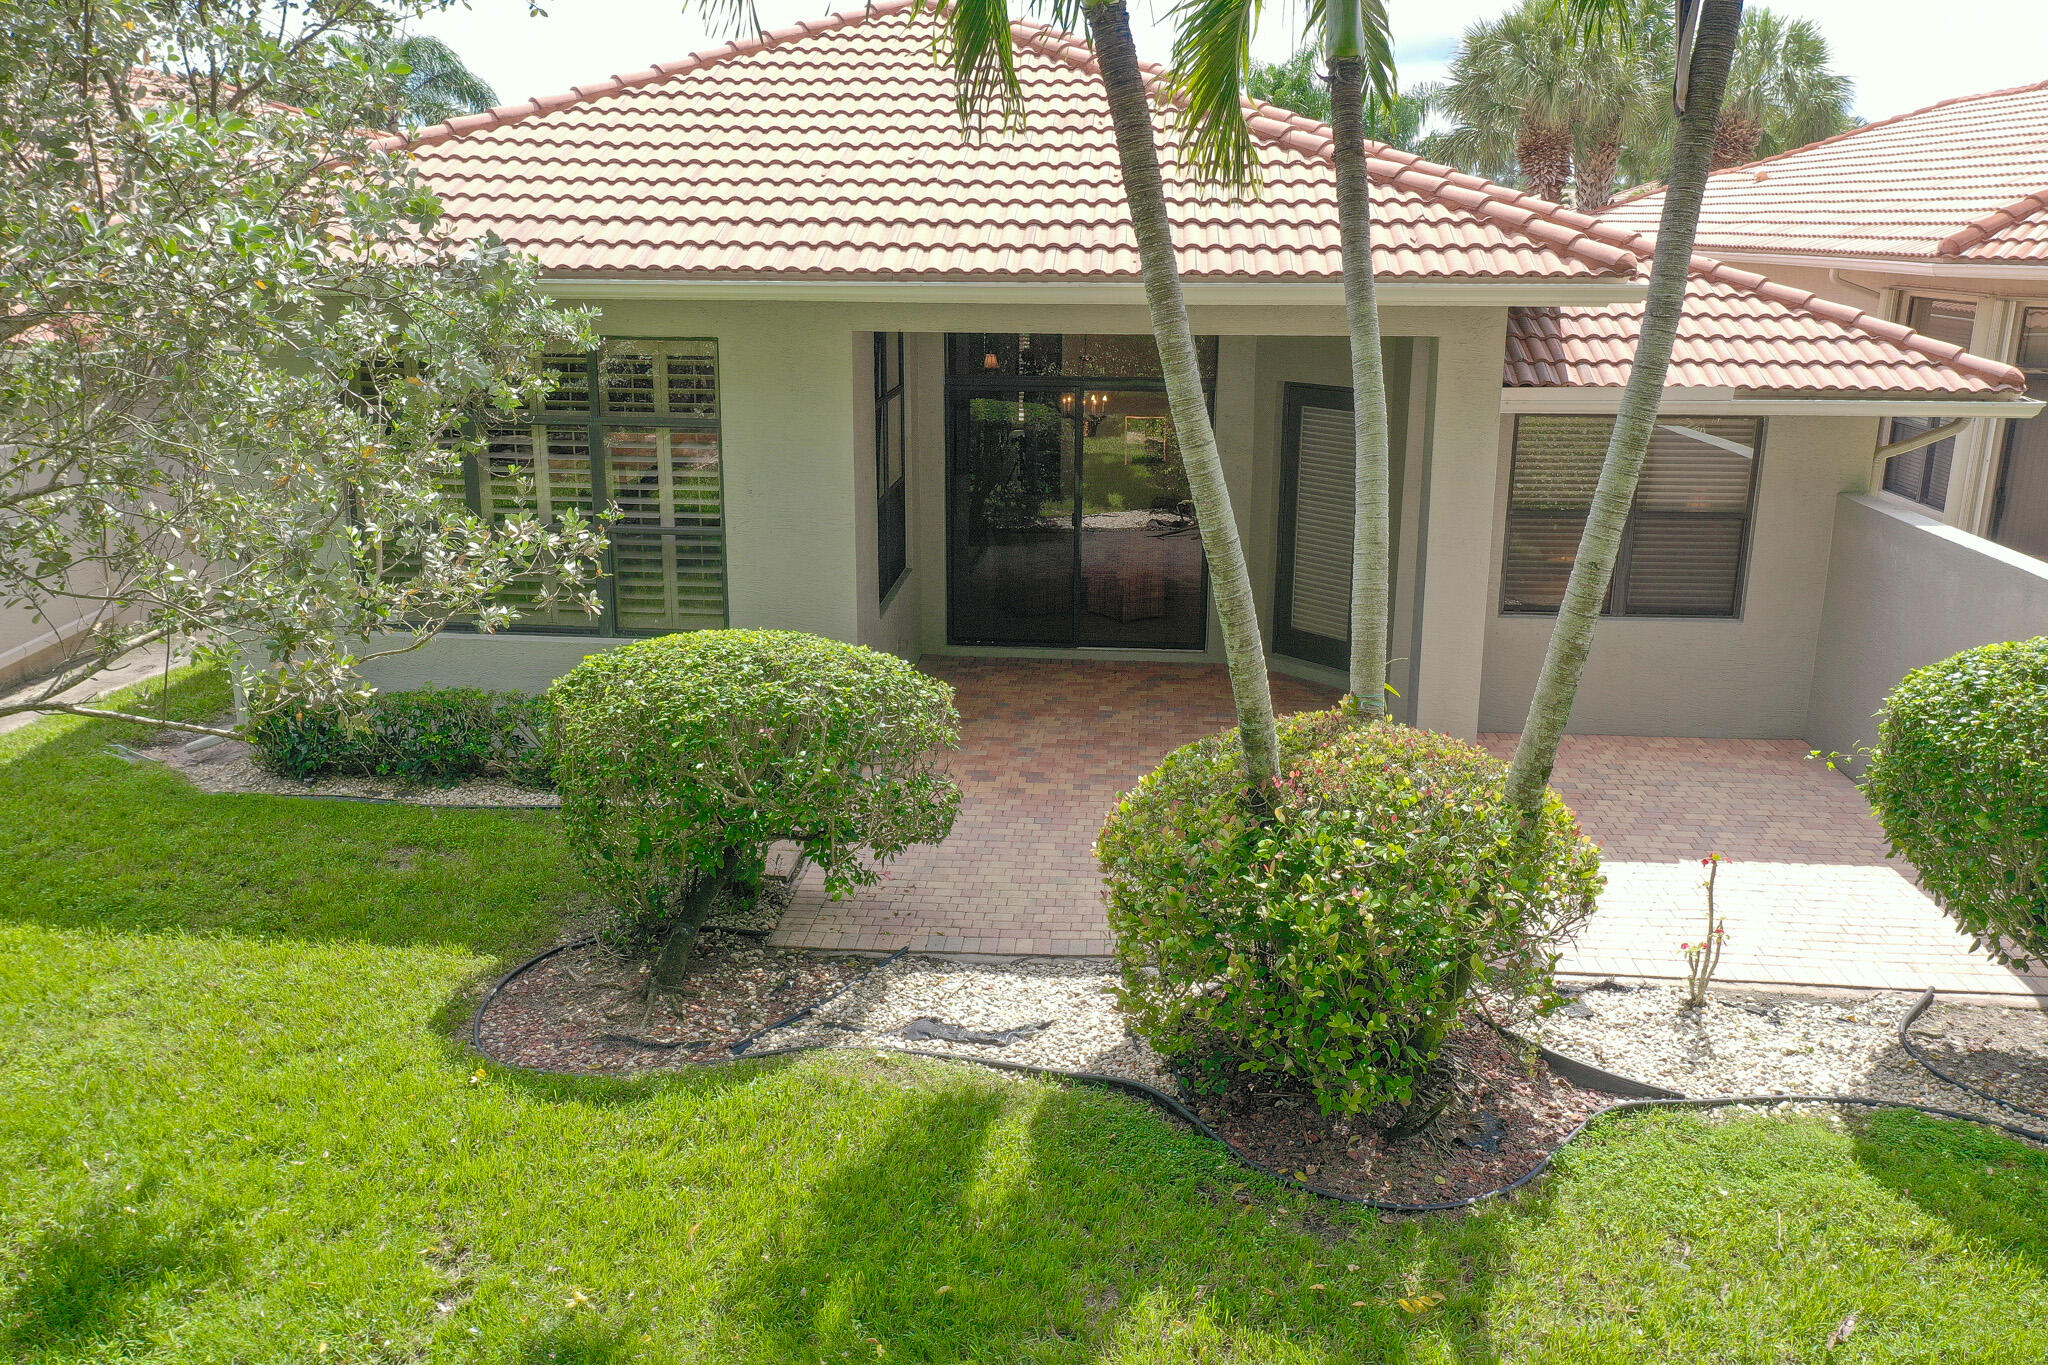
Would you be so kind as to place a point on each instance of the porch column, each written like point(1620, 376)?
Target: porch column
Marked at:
point(1460, 496)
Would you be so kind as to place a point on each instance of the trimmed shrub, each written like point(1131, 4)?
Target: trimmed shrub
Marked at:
point(1959, 780)
point(1335, 942)
point(435, 736)
point(681, 759)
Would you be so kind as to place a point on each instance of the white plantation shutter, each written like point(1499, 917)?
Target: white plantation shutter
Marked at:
point(667, 558)
point(1320, 600)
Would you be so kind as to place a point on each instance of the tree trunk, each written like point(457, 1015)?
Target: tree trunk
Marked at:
point(673, 966)
point(1369, 538)
point(1736, 138)
point(1572, 637)
point(1544, 152)
point(1130, 109)
point(1595, 176)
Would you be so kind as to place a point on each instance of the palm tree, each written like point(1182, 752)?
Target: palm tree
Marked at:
point(1300, 84)
point(1713, 53)
point(428, 80)
point(1516, 93)
point(1781, 91)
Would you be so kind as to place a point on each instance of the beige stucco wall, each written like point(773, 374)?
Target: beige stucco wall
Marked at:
point(1747, 677)
point(1905, 590)
point(797, 439)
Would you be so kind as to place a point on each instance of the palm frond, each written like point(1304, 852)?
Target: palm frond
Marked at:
point(977, 45)
point(1212, 61)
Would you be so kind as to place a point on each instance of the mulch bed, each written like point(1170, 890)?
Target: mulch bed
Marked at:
point(2001, 1052)
point(1506, 1118)
point(585, 1010)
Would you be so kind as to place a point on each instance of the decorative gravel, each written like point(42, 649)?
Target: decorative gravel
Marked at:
point(231, 766)
point(1762, 1044)
point(1071, 996)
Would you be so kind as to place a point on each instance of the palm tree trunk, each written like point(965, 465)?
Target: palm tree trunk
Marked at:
point(1735, 140)
point(1109, 24)
point(1572, 638)
point(1543, 151)
point(1369, 539)
point(1593, 177)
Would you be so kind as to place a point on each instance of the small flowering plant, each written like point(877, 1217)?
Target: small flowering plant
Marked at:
point(1702, 959)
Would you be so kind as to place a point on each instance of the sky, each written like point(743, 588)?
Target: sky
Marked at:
point(1901, 53)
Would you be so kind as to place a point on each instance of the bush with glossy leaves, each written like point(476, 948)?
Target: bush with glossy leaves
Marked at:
point(1959, 780)
point(1332, 942)
point(681, 759)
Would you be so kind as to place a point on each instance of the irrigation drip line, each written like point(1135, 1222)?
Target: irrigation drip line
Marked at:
point(742, 1051)
point(1906, 1041)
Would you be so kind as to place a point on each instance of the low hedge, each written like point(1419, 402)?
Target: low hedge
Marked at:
point(1959, 780)
point(436, 736)
point(1335, 940)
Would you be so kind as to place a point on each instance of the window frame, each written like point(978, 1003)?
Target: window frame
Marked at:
point(1617, 585)
point(892, 497)
point(594, 418)
point(1903, 312)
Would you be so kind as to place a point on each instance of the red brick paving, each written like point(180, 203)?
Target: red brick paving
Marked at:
point(1047, 746)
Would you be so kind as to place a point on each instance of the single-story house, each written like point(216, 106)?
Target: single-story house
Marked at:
point(870, 377)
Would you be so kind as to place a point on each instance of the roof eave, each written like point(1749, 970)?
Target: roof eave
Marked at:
point(1821, 403)
point(1928, 267)
point(1476, 293)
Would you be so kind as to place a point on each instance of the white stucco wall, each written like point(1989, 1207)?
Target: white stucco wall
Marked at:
point(1905, 590)
point(1746, 677)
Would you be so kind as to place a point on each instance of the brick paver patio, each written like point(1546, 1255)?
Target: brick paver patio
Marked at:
point(1046, 747)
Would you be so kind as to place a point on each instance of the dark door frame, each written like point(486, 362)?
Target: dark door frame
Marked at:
point(1294, 643)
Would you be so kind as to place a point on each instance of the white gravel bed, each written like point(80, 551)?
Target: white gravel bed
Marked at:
point(231, 766)
point(1757, 1044)
point(1073, 996)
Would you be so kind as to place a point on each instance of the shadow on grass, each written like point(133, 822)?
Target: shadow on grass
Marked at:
point(85, 1283)
point(1990, 1189)
point(1099, 1226)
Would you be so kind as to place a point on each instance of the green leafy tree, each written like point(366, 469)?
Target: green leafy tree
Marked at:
point(1782, 91)
point(239, 352)
point(427, 79)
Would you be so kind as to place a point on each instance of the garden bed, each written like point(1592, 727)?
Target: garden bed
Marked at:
point(1759, 1043)
point(1509, 1113)
point(231, 766)
point(585, 1008)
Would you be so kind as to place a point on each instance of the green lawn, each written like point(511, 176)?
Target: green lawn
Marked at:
point(237, 1124)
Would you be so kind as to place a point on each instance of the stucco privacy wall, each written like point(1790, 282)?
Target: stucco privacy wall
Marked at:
point(1748, 677)
point(1905, 590)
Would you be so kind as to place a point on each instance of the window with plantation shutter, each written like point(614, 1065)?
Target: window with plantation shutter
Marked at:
point(631, 431)
point(1687, 536)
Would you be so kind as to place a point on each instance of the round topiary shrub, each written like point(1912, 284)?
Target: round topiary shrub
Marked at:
point(1959, 780)
point(681, 759)
point(1335, 941)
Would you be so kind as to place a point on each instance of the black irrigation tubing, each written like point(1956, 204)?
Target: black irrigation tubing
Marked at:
point(1175, 1107)
point(1906, 1042)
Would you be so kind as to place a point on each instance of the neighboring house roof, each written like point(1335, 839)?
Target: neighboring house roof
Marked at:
point(1964, 180)
point(1741, 331)
point(834, 148)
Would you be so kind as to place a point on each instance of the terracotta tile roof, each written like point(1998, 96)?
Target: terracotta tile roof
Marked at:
point(1965, 180)
point(833, 148)
point(1741, 331)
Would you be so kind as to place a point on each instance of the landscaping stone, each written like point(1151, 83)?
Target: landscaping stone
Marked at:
point(1757, 1044)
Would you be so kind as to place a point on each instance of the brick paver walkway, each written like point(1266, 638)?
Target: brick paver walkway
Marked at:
point(1046, 748)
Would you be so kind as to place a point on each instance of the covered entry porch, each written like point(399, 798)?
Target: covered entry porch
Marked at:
point(1048, 745)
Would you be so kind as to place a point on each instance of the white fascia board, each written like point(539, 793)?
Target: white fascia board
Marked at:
point(1395, 293)
point(1922, 267)
point(1737, 403)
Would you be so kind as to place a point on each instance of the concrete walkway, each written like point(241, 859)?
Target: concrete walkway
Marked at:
point(1809, 895)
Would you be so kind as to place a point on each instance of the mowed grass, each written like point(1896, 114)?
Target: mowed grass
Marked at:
point(238, 1123)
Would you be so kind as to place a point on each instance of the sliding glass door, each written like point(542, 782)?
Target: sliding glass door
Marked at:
point(1069, 520)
